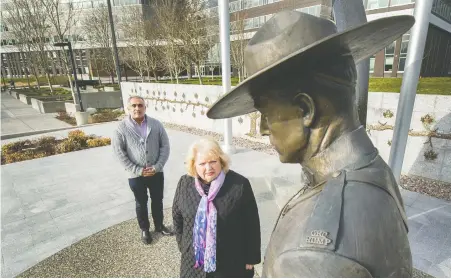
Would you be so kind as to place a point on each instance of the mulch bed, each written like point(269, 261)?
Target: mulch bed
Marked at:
point(430, 187)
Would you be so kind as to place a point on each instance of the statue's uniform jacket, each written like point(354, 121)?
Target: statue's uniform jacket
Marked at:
point(352, 225)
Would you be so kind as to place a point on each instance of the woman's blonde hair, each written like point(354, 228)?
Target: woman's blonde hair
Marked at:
point(206, 146)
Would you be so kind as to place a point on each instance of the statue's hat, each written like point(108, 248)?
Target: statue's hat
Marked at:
point(294, 41)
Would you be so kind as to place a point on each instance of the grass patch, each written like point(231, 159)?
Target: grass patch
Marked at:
point(47, 146)
point(42, 80)
point(101, 116)
point(436, 86)
point(58, 94)
point(205, 81)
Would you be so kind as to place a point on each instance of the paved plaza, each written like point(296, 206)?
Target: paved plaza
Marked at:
point(18, 117)
point(50, 203)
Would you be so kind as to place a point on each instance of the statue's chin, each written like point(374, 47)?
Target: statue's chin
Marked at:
point(286, 159)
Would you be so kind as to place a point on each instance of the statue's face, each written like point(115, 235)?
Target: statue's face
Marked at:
point(285, 127)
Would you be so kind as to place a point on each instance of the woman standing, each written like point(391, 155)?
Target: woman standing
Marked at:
point(215, 217)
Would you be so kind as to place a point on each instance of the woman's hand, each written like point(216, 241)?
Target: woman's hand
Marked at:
point(249, 266)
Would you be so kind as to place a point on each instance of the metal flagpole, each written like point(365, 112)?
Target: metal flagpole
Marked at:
point(224, 37)
point(410, 78)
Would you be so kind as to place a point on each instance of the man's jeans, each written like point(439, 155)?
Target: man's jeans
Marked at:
point(139, 186)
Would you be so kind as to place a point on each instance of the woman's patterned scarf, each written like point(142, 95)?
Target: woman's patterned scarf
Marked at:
point(204, 233)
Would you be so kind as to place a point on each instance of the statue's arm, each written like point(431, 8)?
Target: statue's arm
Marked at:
point(316, 263)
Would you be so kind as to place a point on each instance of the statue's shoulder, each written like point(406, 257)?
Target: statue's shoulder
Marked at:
point(316, 263)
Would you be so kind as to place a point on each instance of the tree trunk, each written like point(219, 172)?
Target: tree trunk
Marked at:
point(28, 78)
point(69, 78)
point(49, 82)
point(188, 71)
point(239, 75)
point(170, 74)
point(199, 75)
point(155, 75)
point(35, 73)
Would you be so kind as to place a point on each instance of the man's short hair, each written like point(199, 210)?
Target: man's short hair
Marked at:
point(137, 97)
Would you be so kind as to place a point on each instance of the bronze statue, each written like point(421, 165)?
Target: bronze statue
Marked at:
point(350, 220)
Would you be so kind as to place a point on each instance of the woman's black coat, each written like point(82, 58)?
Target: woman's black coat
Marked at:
point(238, 228)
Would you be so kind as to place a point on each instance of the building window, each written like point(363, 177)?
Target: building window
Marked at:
point(442, 9)
point(400, 2)
point(389, 56)
point(313, 10)
point(375, 4)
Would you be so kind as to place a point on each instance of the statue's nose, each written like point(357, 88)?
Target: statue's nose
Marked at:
point(264, 128)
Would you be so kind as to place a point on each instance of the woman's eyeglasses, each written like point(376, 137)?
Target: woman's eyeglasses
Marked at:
point(136, 105)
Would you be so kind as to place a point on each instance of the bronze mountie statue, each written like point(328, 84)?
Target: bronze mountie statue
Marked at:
point(350, 220)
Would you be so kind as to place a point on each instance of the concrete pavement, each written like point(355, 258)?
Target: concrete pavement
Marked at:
point(50, 203)
point(17, 117)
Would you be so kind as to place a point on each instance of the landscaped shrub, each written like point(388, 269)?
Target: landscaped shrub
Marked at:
point(105, 115)
point(63, 116)
point(13, 147)
point(98, 142)
point(78, 136)
point(102, 115)
point(68, 145)
point(47, 146)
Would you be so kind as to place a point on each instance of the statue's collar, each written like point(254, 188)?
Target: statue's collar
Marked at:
point(350, 151)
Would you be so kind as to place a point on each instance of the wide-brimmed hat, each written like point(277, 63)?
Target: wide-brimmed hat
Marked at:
point(291, 41)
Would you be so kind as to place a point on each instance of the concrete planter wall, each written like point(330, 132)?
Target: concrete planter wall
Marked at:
point(25, 99)
point(48, 106)
point(15, 94)
point(101, 99)
point(72, 108)
point(187, 105)
point(108, 89)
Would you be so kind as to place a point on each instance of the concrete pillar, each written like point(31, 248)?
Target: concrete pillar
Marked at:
point(379, 64)
point(394, 71)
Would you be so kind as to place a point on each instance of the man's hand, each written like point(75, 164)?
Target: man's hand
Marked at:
point(249, 266)
point(149, 171)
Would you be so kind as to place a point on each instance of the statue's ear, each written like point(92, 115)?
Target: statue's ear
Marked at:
point(307, 107)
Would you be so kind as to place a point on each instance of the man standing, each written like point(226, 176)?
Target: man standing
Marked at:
point(142, 147)
point(350, 220)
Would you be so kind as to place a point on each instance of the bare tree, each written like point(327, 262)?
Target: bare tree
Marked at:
point(62, 16)
point(238, 45)
point(194, 34)
point(141, 40)
point(98, 34)
point(17, 21)
point(40, 31)
point(169, 15)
